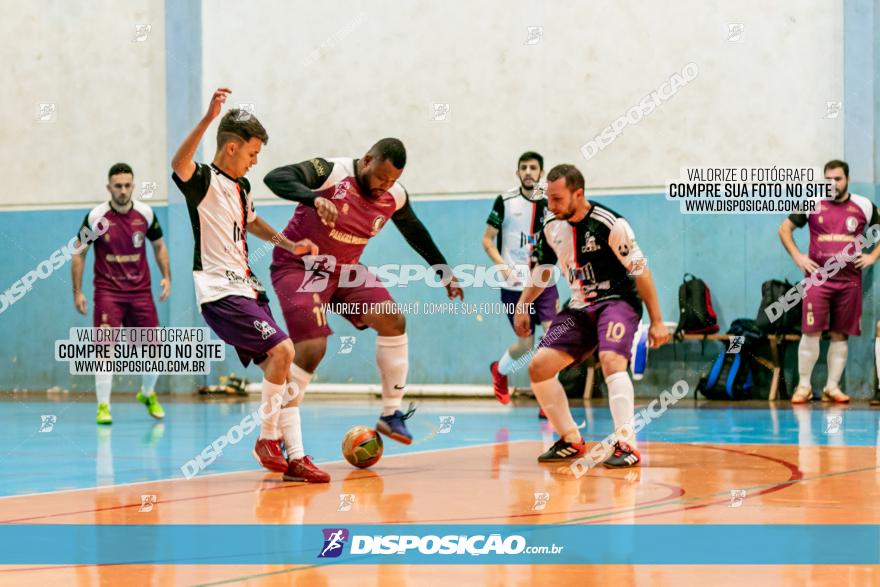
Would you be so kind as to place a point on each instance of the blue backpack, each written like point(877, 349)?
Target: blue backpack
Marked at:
point(729, 378)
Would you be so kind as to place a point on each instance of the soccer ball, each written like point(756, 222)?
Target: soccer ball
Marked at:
point(362, 447)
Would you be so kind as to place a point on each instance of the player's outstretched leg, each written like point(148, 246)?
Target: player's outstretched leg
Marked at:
point(836, 359)
point(147, 396)
point(103, 385)
point(551, 396)
point(808, 354)
point(299, 465)
point(267, 449)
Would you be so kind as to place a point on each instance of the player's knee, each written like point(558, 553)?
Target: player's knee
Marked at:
point(309, 354)
point(540, 370)
point(282, 352)
point(611, 363)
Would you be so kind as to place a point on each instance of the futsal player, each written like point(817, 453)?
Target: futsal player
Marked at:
point(835, 305)
point(516, 218)
point(233, 301)
point(122, 277)
point(606, 270)
point(343, 203)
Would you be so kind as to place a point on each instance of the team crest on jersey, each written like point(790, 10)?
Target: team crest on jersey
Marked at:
point(264, 328)
point(590, 244)
point(137, 239)
point(340, 192)
point(851, 223)
point(378, 223)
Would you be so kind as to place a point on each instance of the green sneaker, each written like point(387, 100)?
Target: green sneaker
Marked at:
point(152, 403)
point(104, 416)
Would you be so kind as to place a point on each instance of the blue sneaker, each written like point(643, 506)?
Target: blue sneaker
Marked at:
point(394, 426)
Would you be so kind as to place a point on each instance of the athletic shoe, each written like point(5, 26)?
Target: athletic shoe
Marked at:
point(394, 426)
point(499, 382)
point(268, 454)
point(152, 403)
point(834, 395)
point(624, 456)
point(541, 414)
point(802, 395)
point(104, 416)
point(305, 470)
point(563, 451)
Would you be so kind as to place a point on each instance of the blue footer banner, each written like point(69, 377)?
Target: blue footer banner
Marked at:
point(648, 544)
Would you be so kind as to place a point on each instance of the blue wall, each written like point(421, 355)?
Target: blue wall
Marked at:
point(734, 254)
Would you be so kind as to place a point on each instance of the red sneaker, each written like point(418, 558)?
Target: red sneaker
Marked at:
point(541, 414)
point(499, 382)
point(305, 470)
point(268, 454)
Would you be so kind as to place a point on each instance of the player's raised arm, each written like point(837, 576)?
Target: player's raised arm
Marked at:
point(182, 163)
point(297, 183)
point(786, 230)
point(418, 237)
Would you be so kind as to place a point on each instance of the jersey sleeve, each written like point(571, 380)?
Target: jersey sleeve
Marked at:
point(542, 252)
point(799, 219)
point(875, 216)
point(622, 241)
point(154, 231)
point(83, 224)
point(196, 188)
point(496, 216)
point(297, 182)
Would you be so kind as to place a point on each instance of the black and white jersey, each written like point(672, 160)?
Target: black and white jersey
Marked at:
point(220, 209)
point(518, 220)
point(594, 256)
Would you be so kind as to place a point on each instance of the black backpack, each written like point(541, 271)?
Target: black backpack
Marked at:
point(696, 315)
point(730, 375)
point(790, 321)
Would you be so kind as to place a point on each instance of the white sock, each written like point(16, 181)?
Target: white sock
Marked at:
point(505, 363)
point(297, 381)
point(392, 359)
point(836, 358)
point(269, 425)
point(103, 384)
point(621, 402)
point(877, 367)
point(148, 383)
point(808, 354)
point(292, 432)
point(552, 398)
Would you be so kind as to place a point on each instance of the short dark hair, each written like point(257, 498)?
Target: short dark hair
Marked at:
point(389, 149)
point(835, 163)
point(240, 124)
point(119, 168)
point(528, 156)
point(574, 180)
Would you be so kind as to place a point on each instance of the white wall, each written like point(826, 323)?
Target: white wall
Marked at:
point(108, 91)
point(380, 65)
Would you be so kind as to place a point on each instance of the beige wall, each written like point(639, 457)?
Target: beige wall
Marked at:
point(108, 92)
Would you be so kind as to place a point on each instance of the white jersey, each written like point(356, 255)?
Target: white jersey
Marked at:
point(220, 209)
point(517, 219)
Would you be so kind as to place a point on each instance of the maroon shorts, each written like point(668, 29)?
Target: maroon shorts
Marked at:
point(303, 300)
point(246, 324)
point(606, 326)
point(133, 310)
point(834, 306)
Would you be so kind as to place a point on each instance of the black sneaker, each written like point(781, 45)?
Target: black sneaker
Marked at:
point(623, 457)
point(563, 451)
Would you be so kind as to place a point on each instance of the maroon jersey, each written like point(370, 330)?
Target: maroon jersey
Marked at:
point(120, 255)
point(834, 226)
point(359, 217)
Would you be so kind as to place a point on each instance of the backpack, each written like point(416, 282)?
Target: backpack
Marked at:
point(730, 375)
point(729, 378)
point(790, 321)
point(696, 315)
